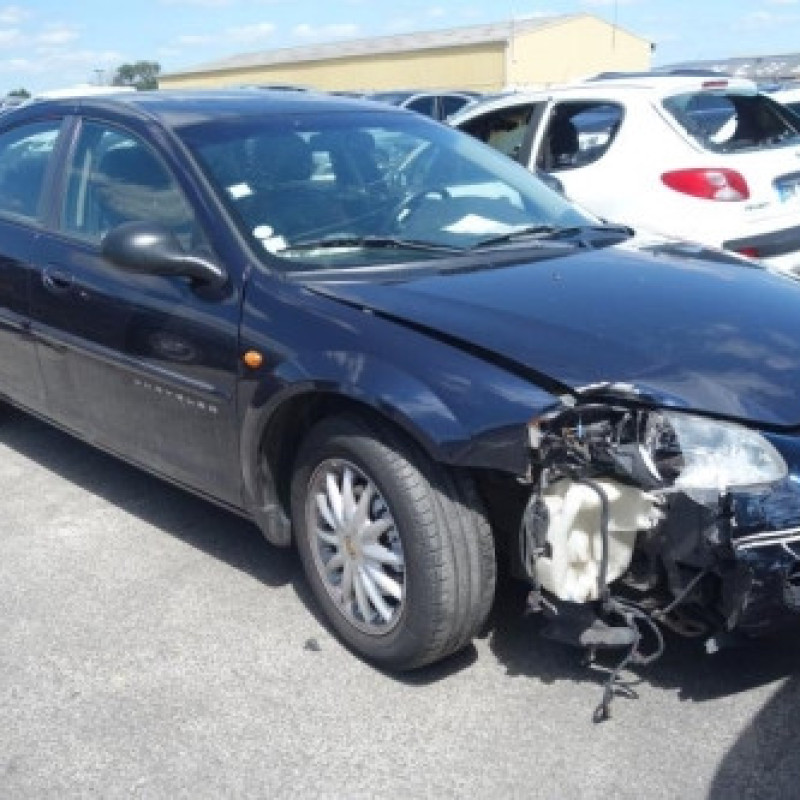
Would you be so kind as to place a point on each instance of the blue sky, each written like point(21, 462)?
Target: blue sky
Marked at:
point(45, 44)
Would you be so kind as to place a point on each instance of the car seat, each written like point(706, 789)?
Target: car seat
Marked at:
point(562, 143)
point(285, 197)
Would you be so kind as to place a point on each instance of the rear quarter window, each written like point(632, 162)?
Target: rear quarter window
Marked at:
point(730, 122)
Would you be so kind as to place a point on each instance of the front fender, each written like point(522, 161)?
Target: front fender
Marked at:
point(462, 408)
point(448, 433)
point(361, 377)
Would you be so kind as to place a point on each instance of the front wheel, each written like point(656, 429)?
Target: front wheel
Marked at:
point(396, 548)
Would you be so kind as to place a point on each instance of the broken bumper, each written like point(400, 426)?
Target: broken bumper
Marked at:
point(624, 507)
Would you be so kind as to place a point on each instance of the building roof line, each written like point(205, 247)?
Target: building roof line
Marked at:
point(384, 45)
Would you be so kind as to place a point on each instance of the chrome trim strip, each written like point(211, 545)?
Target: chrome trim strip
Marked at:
point(767, 539)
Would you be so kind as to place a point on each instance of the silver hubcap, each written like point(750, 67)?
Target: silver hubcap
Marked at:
point(356, 546)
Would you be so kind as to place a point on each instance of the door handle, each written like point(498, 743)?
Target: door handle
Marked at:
point(56, 280)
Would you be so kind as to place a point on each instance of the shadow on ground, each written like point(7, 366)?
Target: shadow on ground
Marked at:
point(764, 762)
point(684, 667)
point(197, 522)
point(178, 513)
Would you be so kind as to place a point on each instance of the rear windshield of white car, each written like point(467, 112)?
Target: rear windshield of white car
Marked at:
point(726, 122)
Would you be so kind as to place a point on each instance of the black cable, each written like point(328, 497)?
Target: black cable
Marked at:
point(661, 613)
point(630, 614)
point(628, 611)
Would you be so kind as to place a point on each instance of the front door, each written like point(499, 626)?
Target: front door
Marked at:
point(145, 366)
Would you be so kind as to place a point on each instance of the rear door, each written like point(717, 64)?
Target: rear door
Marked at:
point(26, 157)
point(143, 365)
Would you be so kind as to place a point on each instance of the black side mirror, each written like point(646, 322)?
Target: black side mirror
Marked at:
point(152, 249)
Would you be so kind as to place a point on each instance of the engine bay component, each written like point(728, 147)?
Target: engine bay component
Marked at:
point(573, 549)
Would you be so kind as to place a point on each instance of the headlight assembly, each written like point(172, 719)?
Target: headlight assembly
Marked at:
point(699, 455)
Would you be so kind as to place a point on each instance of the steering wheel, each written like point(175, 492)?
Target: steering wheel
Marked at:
point(403, 210)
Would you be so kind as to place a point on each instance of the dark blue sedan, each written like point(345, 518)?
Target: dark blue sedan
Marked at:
point(384, 342)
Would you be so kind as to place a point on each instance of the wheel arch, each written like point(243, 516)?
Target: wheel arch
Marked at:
point(272, 433)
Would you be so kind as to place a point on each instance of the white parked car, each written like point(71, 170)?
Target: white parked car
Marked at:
point(438, 105)
point(702, 158)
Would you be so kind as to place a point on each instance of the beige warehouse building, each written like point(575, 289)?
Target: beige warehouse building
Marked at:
point(525, 53)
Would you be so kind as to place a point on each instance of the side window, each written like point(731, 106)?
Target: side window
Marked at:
point(578, 134)
point(114, 178)
point(451, 103)
point(25, 153)
point(504, 129)
point(424, 105)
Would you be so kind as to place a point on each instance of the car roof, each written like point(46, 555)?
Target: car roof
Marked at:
point(623, 88)
point(177, 108)
point(665, 84)
point(407, 94)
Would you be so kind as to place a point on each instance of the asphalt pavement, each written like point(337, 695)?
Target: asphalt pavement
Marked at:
point(152, 645)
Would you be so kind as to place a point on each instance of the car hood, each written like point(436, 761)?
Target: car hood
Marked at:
point(715, 337)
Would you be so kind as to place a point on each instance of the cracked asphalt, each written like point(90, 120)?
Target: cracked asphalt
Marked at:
point(152, 645)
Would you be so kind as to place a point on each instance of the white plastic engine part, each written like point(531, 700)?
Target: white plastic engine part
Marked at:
point(572, 568)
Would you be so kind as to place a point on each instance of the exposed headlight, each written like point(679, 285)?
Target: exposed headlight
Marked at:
point(699, 456)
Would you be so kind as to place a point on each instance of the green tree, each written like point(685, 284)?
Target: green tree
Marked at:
point(141, 74)
point(24, 93)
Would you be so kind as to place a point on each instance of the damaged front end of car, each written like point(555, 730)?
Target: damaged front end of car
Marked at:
point(643, 516)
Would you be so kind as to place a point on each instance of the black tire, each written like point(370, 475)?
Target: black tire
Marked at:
point(449, 567)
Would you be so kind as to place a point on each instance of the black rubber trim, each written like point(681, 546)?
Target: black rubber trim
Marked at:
point(777, 243)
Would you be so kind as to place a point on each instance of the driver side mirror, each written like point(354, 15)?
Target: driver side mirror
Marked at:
point(149, 248)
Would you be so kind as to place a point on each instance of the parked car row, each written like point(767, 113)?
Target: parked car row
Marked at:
point(437, 105)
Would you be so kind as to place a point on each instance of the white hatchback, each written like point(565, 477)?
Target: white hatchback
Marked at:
point(706, 159)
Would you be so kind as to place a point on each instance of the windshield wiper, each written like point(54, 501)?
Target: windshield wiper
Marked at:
point(377, 242)
point(529, 232)
point(581, 234)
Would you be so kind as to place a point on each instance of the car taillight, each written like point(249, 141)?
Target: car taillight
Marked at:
point(710, 184)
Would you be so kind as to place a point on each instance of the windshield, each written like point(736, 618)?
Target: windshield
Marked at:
point(726, 122)
point(357, 189)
